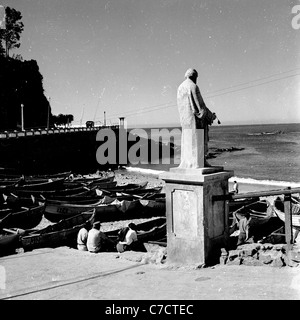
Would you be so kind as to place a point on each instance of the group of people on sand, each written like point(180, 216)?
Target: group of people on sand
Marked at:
point(91, 238)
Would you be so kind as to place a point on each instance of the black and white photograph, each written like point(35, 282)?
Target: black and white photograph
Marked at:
point(150, 153)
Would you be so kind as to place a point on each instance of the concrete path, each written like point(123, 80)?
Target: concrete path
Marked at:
point(68, 274)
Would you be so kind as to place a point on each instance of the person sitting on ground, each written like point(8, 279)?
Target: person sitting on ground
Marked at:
point(82, 237)
point(127, 237)
point(97, 240)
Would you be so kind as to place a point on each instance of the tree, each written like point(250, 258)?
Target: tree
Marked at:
point(13, 29)
point(62, 119)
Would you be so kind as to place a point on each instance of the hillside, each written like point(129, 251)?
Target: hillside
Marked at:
point(21, 83)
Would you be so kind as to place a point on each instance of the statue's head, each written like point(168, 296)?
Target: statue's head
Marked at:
point(191, 74)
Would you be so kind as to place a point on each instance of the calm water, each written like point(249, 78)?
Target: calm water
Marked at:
point(268, 158)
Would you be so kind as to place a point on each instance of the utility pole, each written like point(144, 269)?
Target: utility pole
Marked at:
point(48, 116)
point(104, 119)
point(82, 116)
point(22, 117)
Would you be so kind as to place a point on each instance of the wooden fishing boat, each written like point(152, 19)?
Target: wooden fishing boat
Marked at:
point(29, 180)
point(238, 203)
point(106, 209)
point(48, 185)
point(25, 218)
point(93, 198)
point(92, 178)
point(14, 201)
point(262, 219)
point(10, 240)
point(278, 208)
point(95, 180)
point(151, 230)
point(157, 206)
point(49, 176)
point(103, 185)
point(49, 193)
point(126, 188)
point(63, 233)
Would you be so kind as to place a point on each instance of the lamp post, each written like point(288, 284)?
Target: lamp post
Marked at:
point(22, 117)
point(48, 113)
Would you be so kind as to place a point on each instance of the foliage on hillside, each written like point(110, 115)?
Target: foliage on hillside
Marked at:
point(21, 83)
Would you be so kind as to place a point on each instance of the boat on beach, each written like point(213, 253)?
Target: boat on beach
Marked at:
point(45, 185)
point(105, 209)
point(278, 208)
point(262, 220)
point(32, 178)
point(23, 217)
point(64, 233)
point(10, 240)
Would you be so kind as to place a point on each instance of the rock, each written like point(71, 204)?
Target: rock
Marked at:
point(265, 258)
point(234, 262)
point(279, 247)
point(275, 254)
point(267, 246)
point(292, 255)
point(233, 254)
point(249, 261)
point(156, 254)
point(249, 250)
point(278, 262)
point(289, 262)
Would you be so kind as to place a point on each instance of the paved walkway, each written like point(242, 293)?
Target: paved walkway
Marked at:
point(68, 274)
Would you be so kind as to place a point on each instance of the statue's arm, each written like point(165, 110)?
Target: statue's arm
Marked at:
point(198, 104)
point(204, 113)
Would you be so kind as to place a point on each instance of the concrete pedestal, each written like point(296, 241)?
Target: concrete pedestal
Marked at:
point(196, 227)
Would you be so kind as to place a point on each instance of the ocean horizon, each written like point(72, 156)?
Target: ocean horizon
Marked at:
point(270, 153)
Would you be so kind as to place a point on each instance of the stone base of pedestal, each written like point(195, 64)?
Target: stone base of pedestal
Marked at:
point(197, 228)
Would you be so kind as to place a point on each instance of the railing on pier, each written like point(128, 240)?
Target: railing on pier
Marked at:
point(36, 132)
point(287, 206)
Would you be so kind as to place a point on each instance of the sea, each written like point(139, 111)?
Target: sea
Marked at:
point(270, 153)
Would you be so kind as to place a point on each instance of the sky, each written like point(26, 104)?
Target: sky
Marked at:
point(105, 59)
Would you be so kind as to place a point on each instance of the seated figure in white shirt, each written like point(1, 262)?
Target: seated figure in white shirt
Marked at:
point(130, 238)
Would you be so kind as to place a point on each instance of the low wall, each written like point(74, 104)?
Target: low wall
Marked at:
point(50, 153)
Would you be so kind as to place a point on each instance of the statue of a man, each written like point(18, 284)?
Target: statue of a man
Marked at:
point(193, 115)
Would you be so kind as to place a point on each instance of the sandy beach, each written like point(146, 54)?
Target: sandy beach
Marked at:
point(67, 274)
